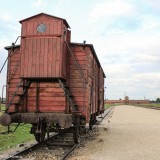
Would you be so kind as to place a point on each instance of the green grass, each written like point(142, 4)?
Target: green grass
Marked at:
point(156, 105)
point(2, 107)
point(13, 139)
point(106, 106)
point(21, 135)
point(149, 105)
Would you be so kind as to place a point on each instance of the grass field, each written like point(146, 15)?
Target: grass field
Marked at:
point(146, 105)
point(149, 105)
point(106, 106)
point(13, 139)
point(2, 107)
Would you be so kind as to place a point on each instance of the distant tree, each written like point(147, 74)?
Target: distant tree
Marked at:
point(158, 100)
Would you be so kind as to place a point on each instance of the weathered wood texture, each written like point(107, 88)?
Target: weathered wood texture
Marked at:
point(101, 90)
point(43, 54)
point(54, 26)
point(44, 57)
point(50, 98)
point(88, 97)
point(76, 81)
point(13, 71)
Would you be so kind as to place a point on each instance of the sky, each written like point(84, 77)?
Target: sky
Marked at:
point(124, 33)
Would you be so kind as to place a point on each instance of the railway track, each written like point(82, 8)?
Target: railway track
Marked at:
point(106, 113)
point(57, 147)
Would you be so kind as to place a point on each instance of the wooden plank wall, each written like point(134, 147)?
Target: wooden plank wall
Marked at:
point(51, 97)
point(43, 58)
point(43, 54)
point(101, 89)
point(93, 81)
point(76, 83)
point(89, 96)
point(54, 26)
point(94, 77)
point(90, 90)
point(13, 76)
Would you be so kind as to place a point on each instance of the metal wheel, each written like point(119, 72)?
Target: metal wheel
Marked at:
point(82, 130)
point(92, 121)
point(40, 136)
point(76, 136)
point(39, 131)
point(90, 125)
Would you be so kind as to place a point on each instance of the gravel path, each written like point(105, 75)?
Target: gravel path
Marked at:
point(132, 133)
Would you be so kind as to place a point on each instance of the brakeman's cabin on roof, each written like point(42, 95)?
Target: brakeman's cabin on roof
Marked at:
point(52, 81)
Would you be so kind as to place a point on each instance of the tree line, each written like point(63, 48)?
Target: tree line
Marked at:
point(158, 100)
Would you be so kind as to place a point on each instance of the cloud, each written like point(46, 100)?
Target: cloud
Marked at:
point(147, 58)
point(131, 62)
point(38, 3)
point(61, 2)
point(5, 17)
point(150, 22)
point(1, 1)
point(153, 5)
point(62, 5)
point(116, 8)
point(124, 15)
point(136, 86)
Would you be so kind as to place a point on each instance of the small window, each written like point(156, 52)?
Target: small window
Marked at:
point(41, 28)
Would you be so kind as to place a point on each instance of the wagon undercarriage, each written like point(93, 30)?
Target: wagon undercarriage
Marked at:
point(64, 120)
point(43, 123)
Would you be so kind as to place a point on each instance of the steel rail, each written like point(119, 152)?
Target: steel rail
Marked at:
point(26, 150)
point(106, 112)
point(67, 153)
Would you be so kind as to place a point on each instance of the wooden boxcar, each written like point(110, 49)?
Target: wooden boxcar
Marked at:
point(52, 83)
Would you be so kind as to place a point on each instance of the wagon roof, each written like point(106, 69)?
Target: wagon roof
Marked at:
point(93, 51)
point(66, 23)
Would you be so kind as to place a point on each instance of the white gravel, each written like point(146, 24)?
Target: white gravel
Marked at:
point(132, 133)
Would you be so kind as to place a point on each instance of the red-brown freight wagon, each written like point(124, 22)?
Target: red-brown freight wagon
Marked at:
point(53, 84)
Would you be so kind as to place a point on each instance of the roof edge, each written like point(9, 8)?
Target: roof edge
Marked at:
point(94, 52)
point(46, 15)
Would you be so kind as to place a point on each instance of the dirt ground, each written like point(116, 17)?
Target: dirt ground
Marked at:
point(131, 133)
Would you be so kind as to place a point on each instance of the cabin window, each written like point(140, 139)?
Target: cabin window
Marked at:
point(41, 28)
